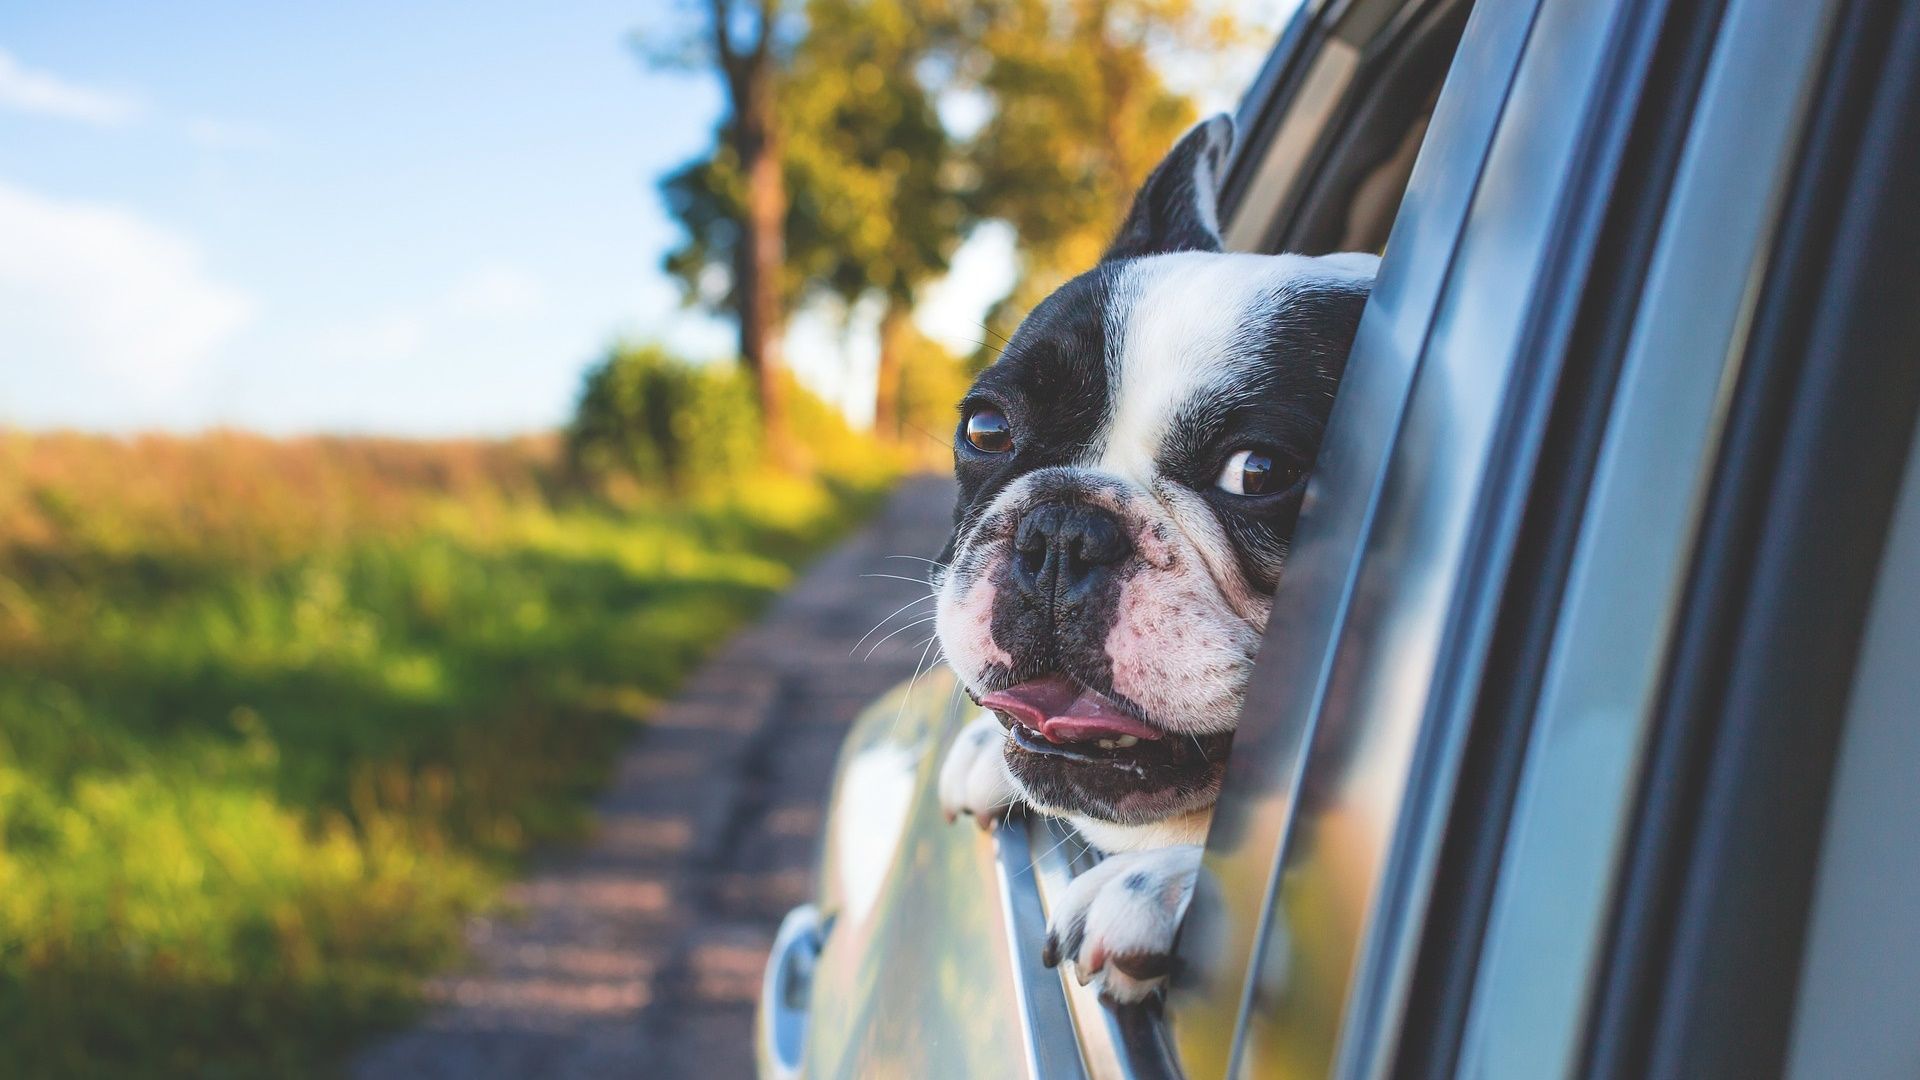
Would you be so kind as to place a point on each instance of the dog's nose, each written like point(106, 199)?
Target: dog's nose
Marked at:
point(1065, 549)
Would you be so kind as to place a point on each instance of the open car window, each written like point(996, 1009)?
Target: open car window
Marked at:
point(1322, 165)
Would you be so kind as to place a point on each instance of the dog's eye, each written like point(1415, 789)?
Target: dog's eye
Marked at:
point(987, 430)
point(1254, 472)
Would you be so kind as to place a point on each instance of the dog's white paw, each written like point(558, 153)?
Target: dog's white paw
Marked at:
point(1117, 921)
point(973, 778)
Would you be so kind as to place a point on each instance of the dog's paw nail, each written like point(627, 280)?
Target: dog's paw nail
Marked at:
point(1050, 953)
point(1144, 967)
point(1082, 974)
point(986, 822)
point(1096, 959)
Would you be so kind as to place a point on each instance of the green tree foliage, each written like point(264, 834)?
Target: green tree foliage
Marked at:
point(1080, 114)
point(870, 168)
point(880, 192)
point(875, 174)
point(873, 202)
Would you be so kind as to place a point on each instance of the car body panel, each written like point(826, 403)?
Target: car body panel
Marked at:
point(912, 979)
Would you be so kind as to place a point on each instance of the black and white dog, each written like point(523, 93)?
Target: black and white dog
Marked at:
point(1130, 470)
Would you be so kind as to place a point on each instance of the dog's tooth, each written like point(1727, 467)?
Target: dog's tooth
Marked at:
point(1109, 744)
point(1125, 740)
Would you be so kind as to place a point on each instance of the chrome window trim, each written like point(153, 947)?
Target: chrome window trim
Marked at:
point(1052, 1049)
point(1127, 1043)
point(1549, 917)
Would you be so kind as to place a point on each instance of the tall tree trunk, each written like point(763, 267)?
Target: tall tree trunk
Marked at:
point(749, 71)
point(759, 256)
point(894, 326)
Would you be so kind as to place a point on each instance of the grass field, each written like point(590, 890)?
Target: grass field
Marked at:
point(275, 715)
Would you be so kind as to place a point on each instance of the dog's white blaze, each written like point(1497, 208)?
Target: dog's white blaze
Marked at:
point(1172, 335)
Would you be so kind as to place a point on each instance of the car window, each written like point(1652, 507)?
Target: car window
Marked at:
point(1300, 124)
point(1862, 967)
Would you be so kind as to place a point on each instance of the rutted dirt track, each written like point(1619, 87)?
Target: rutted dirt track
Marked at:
point(640, 953)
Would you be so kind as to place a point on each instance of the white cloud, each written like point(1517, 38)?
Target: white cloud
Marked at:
point(98, 292)
point(48, 95)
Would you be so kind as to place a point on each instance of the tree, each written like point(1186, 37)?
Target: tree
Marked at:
point(878, 208)
point(649, 419)
point(736, 201)
point(877, 192)
point(1080, 114)
point(869, 174)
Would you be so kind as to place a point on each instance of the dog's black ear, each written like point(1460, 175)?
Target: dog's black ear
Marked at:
point(1177, 208)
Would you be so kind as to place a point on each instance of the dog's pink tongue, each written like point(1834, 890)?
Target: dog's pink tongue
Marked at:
point(1063, 711)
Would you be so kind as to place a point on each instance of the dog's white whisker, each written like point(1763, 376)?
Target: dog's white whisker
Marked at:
point(901, 629)
point(895, 613)
point(922, 582)
point(916, 558)
point(1064, 837)
point(906, 696)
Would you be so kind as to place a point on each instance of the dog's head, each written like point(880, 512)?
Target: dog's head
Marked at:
point(1130, 470)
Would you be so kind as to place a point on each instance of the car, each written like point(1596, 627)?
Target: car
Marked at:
point(1583, 741)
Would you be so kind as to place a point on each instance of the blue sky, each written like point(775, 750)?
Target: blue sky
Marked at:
point(421, 218)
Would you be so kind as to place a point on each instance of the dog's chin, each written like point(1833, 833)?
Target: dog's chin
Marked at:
point(1094, 757)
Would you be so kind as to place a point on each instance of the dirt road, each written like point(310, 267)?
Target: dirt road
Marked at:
point(640, 953)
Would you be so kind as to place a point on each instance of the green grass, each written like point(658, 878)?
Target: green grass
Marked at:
point(252, 775)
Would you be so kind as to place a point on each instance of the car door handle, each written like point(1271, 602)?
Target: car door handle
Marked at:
point(786, 992)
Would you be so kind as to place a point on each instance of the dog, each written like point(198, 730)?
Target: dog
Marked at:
point(1130, 470)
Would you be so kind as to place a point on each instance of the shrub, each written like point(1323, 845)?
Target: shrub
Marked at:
point(648, 418)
